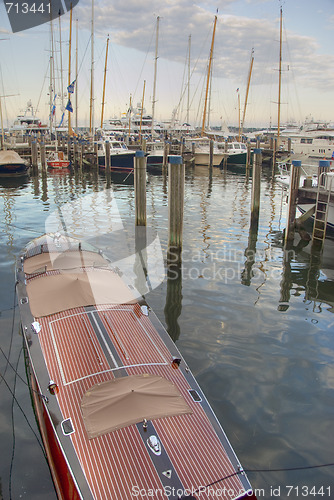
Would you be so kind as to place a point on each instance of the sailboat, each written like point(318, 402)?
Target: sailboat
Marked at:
point(56, 159)
point(202, 144)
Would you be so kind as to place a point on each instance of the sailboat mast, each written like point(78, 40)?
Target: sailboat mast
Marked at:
point(239, 127)
point(76, 77)
point(188, 96)
point(155, 74)
point(69, 67)
point(130, 109)
point(279, 79)
point(2, 129)
point(61, 64)
point(104, 82)
point(51, 76)
point(142, 110)
point(209, 74)
point(91, 107)
point(247, 90)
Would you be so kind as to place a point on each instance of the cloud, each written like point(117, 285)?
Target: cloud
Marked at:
point(134, 26)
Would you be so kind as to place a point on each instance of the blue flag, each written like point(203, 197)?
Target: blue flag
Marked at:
point(69, 106)
point(62, 119)
point(70, 88)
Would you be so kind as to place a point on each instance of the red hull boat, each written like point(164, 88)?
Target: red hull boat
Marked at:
point(119, 410)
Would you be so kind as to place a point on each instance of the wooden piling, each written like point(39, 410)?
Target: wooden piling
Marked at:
point(182, 147)
point(107, 156)
point(293, 193)
point(140, 188)
point(165, 158)
point(43, 156)
point(75, 150)
point(34, 156)
point(69, 149)
point(256, 187)
point(82, 152)
point(176, 174)
point(324, 166)
point(96, 155)
point(193, 149)
point(211, 154)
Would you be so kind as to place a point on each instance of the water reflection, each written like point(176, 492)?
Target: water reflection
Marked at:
point(278, 352)
point(173, 306)
point(304, 269)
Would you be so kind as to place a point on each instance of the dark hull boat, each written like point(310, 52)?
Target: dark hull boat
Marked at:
point(120, 413)
point(11, 163)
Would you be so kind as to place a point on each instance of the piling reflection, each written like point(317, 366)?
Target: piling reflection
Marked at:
point(173, 306)
point(313, 277)
point(250, 252)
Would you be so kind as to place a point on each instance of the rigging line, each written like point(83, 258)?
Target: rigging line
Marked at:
point(83, 57)
point(13, 428)
point(144, 63)
point(288, 469)
point(18, 375)
point(23, 413)
point(40, 95)
point(7, 357)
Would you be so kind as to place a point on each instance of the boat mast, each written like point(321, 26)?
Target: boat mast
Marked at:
point(52, 96)
point(76, 77)
point(209, 74)
point(61, 64)
point(91, 107)
point(141, 111)
point(155, 74)
point(2, 129)
point(69, 67)
point(130, 109)
point(279, 79)
point(247, 90)
point(104, 82)
point(188, 96)
point(239, 126)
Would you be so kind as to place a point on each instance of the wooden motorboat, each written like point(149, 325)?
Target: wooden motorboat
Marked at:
point(120, 412)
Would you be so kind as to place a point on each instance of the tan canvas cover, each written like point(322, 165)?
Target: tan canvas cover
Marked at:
point(125, 401)
point(63, 260)
point(10, 157)
point(58, 292)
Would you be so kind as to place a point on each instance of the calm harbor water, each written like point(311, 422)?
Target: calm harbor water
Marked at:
point(254, 323)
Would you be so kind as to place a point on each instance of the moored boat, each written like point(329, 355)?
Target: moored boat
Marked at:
point(121, 158)
point(237, 153)
point(57, 160)
point(155, 156)
point(11, 163)
point(121, 415)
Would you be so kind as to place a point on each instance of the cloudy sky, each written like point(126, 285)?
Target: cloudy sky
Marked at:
point(242, 26)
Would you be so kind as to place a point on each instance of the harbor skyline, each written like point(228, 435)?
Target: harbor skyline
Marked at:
point(242, 26)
